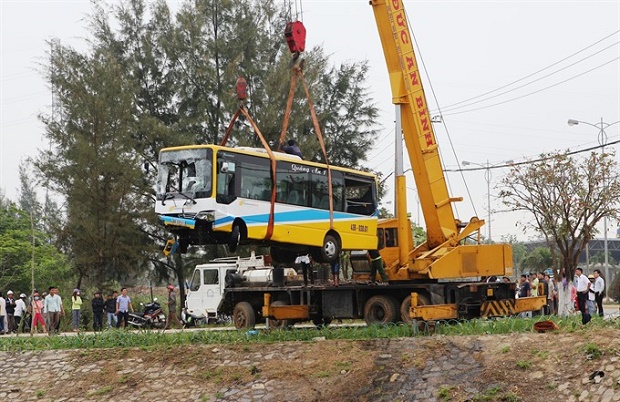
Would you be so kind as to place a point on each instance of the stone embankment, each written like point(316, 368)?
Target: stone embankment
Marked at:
point(519, 367)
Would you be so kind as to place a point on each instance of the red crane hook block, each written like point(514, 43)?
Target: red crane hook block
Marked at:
point(295, 34)
point(242, 88)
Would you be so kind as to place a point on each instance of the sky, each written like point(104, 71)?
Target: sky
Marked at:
point(539, 62)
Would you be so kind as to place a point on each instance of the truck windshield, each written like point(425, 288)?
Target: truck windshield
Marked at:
point(195, 283)
point(188, 172)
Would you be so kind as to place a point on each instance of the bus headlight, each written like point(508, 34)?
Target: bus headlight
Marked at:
point(208, 216)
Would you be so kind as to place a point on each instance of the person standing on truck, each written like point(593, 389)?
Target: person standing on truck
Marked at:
point(335, 265)
point(304, 261)
point(172, 308)
point(376, 265)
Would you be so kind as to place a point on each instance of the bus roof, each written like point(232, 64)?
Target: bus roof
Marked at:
point(263, 154)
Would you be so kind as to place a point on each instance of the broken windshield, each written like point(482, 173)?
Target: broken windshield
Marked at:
point(187, 172)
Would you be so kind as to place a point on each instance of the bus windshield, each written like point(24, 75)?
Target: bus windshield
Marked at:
point(185, 171)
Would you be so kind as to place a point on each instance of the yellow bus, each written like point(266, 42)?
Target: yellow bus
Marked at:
point(210, 194)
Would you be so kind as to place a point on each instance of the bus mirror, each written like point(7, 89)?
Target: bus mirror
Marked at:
point(224, 167)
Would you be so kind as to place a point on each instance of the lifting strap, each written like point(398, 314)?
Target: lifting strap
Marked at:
point(272, 160)
point(297, 71)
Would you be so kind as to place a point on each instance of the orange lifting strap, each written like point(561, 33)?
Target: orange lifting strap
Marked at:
point(297, 71)
point(272, 159)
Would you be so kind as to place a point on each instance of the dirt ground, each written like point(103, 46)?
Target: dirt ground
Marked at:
point(517, 367)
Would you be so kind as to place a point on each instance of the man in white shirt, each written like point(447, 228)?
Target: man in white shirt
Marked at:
point(599, 289)
point(20, 310)
point(583, 285)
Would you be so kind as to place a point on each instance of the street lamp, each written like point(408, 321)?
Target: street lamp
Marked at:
point(602, 141)
point(487, 176)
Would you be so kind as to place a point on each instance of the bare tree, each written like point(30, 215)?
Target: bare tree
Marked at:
point(567, 196)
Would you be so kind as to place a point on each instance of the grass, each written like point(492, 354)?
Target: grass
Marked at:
point(102, 390)
point(593, 351)
point(147, 340)
point(445, 393)
point(524, 364)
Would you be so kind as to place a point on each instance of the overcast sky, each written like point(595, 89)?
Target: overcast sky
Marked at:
point(568, 49)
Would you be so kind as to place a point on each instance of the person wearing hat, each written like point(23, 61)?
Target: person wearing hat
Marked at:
point(10, 312)
point(172, 307)
point(98, 305)
point(20, 310)
point(76, 309)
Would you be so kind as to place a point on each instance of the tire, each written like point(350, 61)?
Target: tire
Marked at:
point(279, 324)
point(235, 238)
point(330, 251)
point(244, 316)
point(406, 305)
point(380, 310)
point(159, 321)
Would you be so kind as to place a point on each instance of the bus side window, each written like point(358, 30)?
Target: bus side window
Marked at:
point(226, 184)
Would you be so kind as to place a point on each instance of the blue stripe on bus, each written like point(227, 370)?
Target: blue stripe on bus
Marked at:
point(293, 216)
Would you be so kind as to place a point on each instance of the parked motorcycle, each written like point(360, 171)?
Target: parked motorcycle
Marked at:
point(152, 316)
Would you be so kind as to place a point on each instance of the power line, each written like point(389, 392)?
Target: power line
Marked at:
point(527, 83)
point(534, 73)
point(535, 92)
point(527, 162)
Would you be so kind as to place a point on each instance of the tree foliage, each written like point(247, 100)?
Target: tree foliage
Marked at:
point(152, 79)
point(17, 252)
point(567, 196)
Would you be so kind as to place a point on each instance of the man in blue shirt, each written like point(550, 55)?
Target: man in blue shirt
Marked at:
point(291, 148)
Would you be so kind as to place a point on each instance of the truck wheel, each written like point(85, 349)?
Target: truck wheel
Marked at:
point(406, 305)
point(279, 324)
point(331, 249)
point(380, 310)
point(244, 316)
point(235, 238)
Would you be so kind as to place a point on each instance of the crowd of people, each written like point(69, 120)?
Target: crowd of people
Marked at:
point(44, 312)
point(587, 292)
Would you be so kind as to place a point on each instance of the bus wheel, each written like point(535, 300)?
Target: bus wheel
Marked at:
point(279, 324)
point(235, 238)
point(331, 249)
point(244, 316)
point(406, 305)
point(380, 310)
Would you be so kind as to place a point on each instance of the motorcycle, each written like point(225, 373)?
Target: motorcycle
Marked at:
point(152, 316)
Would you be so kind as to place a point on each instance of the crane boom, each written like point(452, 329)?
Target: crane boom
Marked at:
point(407, 91)
point(444, 254)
